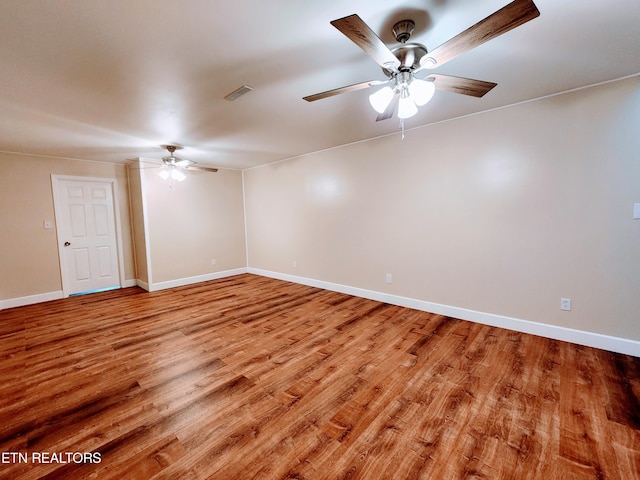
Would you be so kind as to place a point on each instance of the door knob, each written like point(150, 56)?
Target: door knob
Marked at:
point(66, 244)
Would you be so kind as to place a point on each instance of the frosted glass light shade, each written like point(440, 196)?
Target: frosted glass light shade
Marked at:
point(421, 91)
point(406, 107)
point(177, 175)
point(173, 174)
point(380, 100)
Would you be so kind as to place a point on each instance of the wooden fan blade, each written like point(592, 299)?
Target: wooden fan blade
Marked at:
point(354, 28)
point(465, 86)
point(391, 109)
point(505, 19)
point(337, 91)
point(202, 169)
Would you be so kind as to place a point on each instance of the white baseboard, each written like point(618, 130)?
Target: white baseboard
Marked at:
point(580, 337)
point(44, 297)
point(30, 299)
point(152, 287)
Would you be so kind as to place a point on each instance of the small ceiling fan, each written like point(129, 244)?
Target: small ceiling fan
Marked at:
point(172, 161)
point(404, 91)
point(173, 165)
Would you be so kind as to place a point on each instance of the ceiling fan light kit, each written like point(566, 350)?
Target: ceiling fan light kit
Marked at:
point(402, 63)
point(173, 167)
point(413, 92)
point(173, 174)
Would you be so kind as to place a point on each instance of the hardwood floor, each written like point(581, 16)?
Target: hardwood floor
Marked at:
point(249, 377)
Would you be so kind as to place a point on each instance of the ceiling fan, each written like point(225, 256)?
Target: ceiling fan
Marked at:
point(173, 165)
point(404, 91)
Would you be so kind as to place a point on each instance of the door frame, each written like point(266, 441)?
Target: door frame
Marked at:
point(57, 205)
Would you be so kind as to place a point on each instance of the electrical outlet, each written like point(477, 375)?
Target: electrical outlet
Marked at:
point(213, 261)
point(389, 278)
point(565, 304)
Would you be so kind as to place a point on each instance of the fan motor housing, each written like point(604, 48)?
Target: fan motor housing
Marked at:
point(409, 55)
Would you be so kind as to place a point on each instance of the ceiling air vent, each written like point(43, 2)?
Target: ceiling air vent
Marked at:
point(238, 92)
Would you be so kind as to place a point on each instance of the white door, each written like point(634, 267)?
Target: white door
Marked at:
point(87, 235)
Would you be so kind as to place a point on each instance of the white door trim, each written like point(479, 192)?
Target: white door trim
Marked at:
point(57, 200)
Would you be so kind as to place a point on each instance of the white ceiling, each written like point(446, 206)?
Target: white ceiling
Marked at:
point(109, 80)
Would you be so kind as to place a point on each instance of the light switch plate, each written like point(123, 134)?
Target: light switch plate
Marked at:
point(48, 224)
point(636, 210)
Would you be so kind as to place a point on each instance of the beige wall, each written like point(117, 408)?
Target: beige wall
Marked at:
point(199, 220)
point(503, 212)
point(138, 220)
point(29, 263)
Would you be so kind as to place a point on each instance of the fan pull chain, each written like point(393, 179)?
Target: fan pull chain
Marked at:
point(402, 127)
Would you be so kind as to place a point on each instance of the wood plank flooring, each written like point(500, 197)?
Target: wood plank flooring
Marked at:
point(254, 378)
